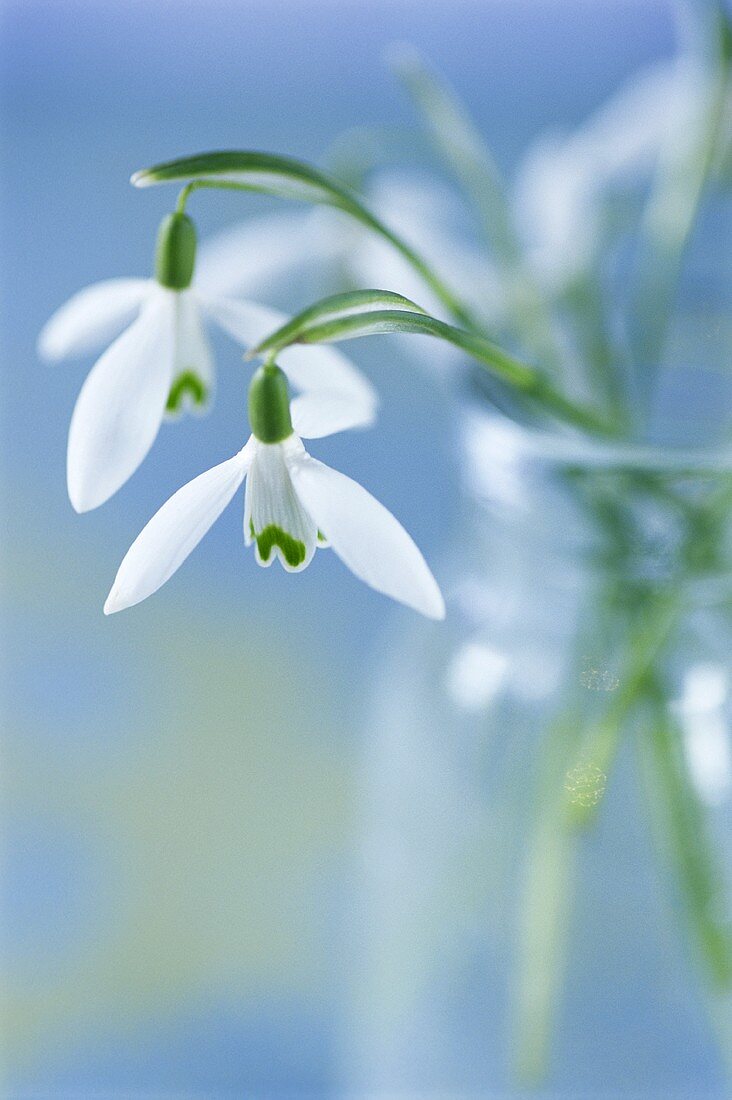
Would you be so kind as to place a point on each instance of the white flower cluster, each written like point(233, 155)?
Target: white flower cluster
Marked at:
point(159, 364)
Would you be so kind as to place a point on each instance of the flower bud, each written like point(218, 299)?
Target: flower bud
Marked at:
point(269, 405)
point(175, 255)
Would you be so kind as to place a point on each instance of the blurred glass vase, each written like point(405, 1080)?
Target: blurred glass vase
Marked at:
point(546, 789)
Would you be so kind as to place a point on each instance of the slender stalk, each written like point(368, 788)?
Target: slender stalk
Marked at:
point(544, 908)
point(306, 328)
point(448, 298)
point(354, 208)
point(574, 744)
point(673, 205)
point(684, 831)
point(598, 746)
point(546, 900)
point(603, 359)
point(466, 153)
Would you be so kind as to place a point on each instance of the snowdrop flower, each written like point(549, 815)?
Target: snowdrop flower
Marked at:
point(293, 504)
point(161, 364)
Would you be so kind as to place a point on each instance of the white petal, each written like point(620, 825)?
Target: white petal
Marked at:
point(92, 318)
point(431, 218)
point(319, 368)
point(307, 368)
point(255, 256)
point(120, 407)
point(365, 536)
point(272, 508)
point(324, 413)
point(192, 351)
point(246, 322)
point(174, 531)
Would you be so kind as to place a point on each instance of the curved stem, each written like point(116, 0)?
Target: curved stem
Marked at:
point(599, 745)
point(685, 165)
point(361, 214)
point(449, 299)
point(331, 320)
point(466, 153)
point(685, 830)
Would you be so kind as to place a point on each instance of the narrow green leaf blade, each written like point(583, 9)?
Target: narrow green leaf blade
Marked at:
point(380, 312)
point(327, 310)
point(465, 152)
point(377, 312)
point(683, 830)
point(286, 178)
point(251, 171)
point(461, 146)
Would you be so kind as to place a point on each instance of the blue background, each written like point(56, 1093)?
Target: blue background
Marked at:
point(179, 781)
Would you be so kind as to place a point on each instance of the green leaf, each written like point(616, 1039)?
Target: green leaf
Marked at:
point(600, 742)
point(382, 312)
point(334, 308)
point(378, 312)
point(544, 913)
point(465, 152)
point(286, 178)
point(685, 163)
point(461, 146)
point(250, 171)
point(683, 830)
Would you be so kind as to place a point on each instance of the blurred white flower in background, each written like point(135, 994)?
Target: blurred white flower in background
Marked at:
point(264, 255)
point(162, 361)
point(702, 710)
point(563, 187)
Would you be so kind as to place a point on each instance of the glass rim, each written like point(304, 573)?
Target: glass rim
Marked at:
point(568, 447)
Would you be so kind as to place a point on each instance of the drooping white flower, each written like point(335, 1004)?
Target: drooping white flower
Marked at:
point(160, 363)
point(293, 505)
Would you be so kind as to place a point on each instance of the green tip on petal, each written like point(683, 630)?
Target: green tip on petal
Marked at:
point(269, 405)
point(175, 255)
point(188, 384)
point(293, 550)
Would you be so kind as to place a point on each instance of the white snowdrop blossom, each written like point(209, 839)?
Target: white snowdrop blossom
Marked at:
point(293, 505)
point(159, 364)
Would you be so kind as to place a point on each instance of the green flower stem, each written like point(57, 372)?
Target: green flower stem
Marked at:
point(683, 831)
point(571, 742)
point(325, 323)
point(466, 153)
point(674, 201)
point(448, 298)
point(548, 889)
point(574, 743)
point(599, 744)
point(530, 381)
point(544, 908)
point(355, 209)
point(604, 360)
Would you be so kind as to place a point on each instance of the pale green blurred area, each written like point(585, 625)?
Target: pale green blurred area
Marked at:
point(194, 818)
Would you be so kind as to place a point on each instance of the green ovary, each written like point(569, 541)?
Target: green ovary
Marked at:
point(272, 535)
point(187, 384)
